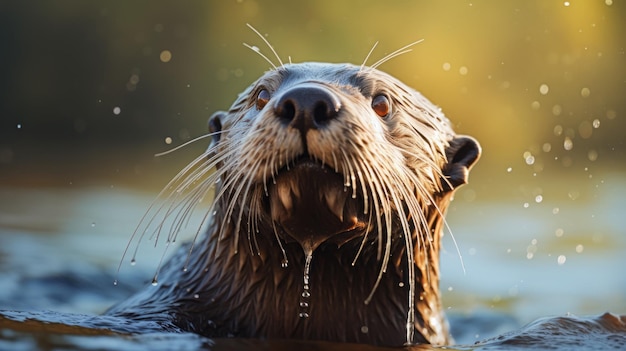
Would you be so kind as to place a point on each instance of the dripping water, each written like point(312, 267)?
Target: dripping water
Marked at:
point(306, 288)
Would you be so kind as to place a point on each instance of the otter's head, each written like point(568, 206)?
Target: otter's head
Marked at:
point(327, 153)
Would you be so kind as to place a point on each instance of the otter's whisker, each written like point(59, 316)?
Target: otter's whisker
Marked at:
point(190, 202)
point(253, 217)
point(155, 278)
point(186, 195)
point(375, 191)
point(243, 199)
point(204, 136)
point(368, 56)
point(365, 238)
point(400, 51)
point(364, 180)
point(280, 244)
point(258, 52)
point(149, 210)
point(210, 211)
point(452, 236)
point(389, 225)
point(266, 43)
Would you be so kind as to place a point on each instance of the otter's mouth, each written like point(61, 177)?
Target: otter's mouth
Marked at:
point(311, 204)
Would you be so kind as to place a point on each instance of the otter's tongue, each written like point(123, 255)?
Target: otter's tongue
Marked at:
point(312, 206)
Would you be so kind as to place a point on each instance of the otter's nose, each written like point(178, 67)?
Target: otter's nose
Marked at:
point(307, 106)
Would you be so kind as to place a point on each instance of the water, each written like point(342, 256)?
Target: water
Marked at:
point(60, 247)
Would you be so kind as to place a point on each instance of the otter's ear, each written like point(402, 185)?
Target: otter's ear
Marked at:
point(462, 153)
point(215, 127)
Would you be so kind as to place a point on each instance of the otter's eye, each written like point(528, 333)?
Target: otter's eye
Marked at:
point(262, 99)
point(380, 105)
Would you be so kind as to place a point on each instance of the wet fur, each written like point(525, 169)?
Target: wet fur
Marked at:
point(244, 276)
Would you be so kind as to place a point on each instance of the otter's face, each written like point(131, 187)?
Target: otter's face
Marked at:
point(331, 152)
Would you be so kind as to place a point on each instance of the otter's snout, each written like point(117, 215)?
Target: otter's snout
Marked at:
point(307, 106)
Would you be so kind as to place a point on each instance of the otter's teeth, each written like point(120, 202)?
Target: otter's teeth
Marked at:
point(335, 201)
point(284, 194)
point(295, 188)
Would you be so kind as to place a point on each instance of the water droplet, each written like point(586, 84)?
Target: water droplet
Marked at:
point(559, 232)
point(133, 262)
point(93, 224)
point(304, 305)
point(255, 48)
point(155, 282)
point(446, 66)
point(117, 110)
point(568, 144)
point(284, 263)
point(165, 56)
point(596, 123)
point(526, 205)
point(529, 158)
point(561, 260)
point(585, 92)
point(544, 89)
point(592, 155)
point(555, 210)
point(19, 126)
point(115, 282)
point(401, 284)
point(538, 198)
point(365, 329)
point(509, 170)
point(196, 296)
point(579, 248)
point(535, 105)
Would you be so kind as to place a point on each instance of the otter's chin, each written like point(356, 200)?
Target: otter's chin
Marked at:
point(311, 204)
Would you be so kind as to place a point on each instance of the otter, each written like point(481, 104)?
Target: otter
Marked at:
point(330, 183)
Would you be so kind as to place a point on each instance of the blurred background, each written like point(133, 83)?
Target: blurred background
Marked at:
point(91, 90)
